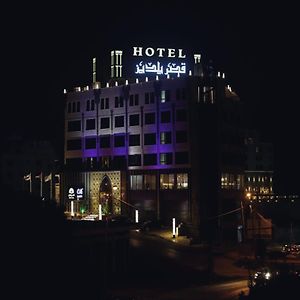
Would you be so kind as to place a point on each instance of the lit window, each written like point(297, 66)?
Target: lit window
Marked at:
point(182, 181)
point(166, 137)
point(163, 96)
point(149, 182)
point(165, 158)
point(166, 181)
point(136, 182)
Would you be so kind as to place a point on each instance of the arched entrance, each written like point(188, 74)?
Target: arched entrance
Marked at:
point(105, 196)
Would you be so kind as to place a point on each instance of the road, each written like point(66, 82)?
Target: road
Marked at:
point(162, 270)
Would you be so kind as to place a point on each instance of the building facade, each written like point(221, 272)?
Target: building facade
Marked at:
point(168, 143)
point(259, 168)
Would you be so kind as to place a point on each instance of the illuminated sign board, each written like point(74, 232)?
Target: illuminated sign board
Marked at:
point(158, 69)
point(160, 61)
point(170, 52)
point(75, 193)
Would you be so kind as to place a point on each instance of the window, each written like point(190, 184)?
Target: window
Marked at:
point(105, 161)
point(105, 141)
point(74, 144)
point(88, 105)
point(119, 101)
point(134, 160)
point(183, 93)
point(134, 120)
point(150, 118)
point(104, 103)
point(152, 97)
point(90, 143)
point(150, 159)
point(69, 107)
point(78, 107)
point(93, 104)
point(208, 94)
point(166, 181)
point(131, 100)
point(74, 126)
point(90, 162)
point(119, 161)
point(181, 115)
point(166, 137)
point(136, 182)
point(181, 136)
point(149, 138)
point(134, 140)
point(119, 121)
point(165, 117)
point(73, 107)
point(182, 181)
point(165, 158)
point(119, 140)
point(181, 158)
point(147, 98)
point(180, 94)
point(104, 123)
point(149, 182)
point(165, 96)
point(90, 124)
point(134, 100)
point(232, 181)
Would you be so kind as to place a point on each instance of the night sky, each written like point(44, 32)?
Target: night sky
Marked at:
point(48, 48)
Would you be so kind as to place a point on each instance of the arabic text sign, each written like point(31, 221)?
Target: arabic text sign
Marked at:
point(160, 69)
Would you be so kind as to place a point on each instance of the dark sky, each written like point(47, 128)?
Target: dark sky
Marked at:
point(49, 47)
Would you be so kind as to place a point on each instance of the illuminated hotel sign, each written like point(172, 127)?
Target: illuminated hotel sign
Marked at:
point(163, 65)
point(75, 193)
point(162, 52)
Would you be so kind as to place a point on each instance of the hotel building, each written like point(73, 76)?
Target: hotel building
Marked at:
point(165, 139)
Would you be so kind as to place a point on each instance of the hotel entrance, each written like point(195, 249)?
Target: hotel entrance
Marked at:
point(105, 196)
